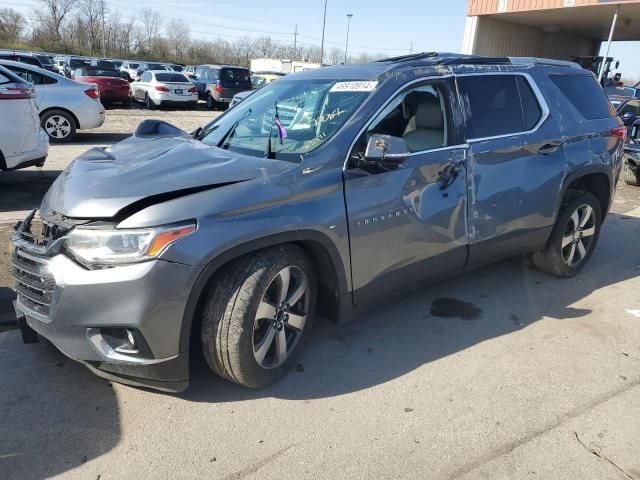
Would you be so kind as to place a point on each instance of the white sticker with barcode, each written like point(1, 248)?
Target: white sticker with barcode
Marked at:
point(354, 86)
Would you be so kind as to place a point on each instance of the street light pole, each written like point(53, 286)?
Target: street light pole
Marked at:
point(346, 45)
point(324, 23)
point(611, 32)
point(104, 47)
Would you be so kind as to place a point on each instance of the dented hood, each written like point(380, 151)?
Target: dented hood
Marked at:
point(134, 173)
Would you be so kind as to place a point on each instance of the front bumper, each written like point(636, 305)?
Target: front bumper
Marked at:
point(150, 298)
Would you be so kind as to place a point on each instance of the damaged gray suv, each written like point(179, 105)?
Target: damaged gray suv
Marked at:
point(318, 194)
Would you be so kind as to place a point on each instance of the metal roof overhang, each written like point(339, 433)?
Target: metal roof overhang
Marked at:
point(592, 21)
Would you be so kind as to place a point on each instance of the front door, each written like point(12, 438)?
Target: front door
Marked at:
point(409, 223)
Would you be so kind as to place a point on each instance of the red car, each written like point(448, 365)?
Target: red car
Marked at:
point(113, 88)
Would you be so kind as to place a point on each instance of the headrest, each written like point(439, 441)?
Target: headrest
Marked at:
point(429, 115)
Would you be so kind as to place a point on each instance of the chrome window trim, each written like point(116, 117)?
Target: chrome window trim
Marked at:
point(384, 105)
point(542, 102)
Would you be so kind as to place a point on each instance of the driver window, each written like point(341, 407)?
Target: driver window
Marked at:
point(417, 115)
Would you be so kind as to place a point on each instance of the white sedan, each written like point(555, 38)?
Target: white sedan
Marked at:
point(22, 142)
point(158, 87)
point(63, 104)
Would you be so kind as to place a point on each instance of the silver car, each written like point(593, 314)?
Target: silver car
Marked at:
point(64, 105)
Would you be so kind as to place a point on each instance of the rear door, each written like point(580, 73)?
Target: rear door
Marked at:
point(39, 81)
point(516, 164)
point(408, 223)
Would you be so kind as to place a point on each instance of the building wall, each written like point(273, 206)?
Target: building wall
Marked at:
point(481, 7)
point(488, 36)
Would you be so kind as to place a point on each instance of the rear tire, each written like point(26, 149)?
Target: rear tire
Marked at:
point(59, 126)
point(148, 103)
point(211, 103)
point(574, 236)
point(630, 177)
point(248, 334)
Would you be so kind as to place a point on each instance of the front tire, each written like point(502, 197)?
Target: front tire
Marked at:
point(574, 236)
point(59, 125)
point(630, 177)
point(258, 315)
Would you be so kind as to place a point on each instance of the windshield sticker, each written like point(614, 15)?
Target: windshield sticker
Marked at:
point(354, 87)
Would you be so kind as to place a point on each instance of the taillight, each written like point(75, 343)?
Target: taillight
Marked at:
point(193, 90)
point(218, 88)
point(620, 132)
point(161, 88)
point(16, 91)
point(93, 92)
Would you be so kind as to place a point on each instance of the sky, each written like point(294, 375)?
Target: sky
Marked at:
point(376, 27)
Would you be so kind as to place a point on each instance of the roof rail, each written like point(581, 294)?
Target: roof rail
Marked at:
point(543, 61)
point(404, 58)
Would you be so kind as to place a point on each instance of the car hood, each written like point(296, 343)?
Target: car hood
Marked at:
point(137, 172)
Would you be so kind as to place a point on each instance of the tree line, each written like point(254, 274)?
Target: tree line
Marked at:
point(90, 27)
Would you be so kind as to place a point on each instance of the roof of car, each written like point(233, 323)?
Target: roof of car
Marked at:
point(374, 70)
point(29, 66)
point(207, 65)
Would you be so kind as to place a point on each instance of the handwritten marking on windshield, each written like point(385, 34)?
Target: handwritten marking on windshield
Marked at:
point(326, 117)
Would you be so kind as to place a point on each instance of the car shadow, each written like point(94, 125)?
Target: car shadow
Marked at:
point(55, 415)
point(24, 189)
point(7, 314)
point(98, 138)
point(413, 330)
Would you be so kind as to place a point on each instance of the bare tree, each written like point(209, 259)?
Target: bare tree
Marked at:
point(12, 25)
point(178, 38)
point(50, 18)
point(91, 14)
point(151, 23)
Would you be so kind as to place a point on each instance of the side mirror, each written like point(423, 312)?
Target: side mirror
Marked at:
point(628, 118)
point(386, 149)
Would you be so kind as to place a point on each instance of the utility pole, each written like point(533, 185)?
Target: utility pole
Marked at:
point(606, 55)
point(295, 43)
point(411, 49)
point(324, 24)
point(104, 46)
point(346, 45)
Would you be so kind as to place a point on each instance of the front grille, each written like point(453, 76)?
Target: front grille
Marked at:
point(35, 243)
point(34, 283)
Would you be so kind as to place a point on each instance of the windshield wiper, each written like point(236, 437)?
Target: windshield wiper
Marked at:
point(282, 133)
point(223, 142)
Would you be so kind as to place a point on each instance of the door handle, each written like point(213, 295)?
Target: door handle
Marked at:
point(450, 172)
point(549, 148)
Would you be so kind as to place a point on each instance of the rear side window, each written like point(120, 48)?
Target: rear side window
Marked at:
point(584, 92)
point(234, 75)
point(499, 105)
point(171, 77)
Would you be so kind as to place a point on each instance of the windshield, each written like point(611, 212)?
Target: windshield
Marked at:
point(309, 113)
point(171, 78)
point(155, 66)
point(45, 59)
point(134, 65)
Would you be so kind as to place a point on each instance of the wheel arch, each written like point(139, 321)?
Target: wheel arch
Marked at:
point(332, 275)
point(62, 109)
point(594, 179)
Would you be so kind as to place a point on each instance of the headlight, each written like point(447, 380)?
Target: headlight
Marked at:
point(115, 247)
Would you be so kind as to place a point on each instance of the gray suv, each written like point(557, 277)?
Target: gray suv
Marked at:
point(320, 193)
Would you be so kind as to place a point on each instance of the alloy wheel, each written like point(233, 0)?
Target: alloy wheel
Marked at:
point(57, 127)
point(578, 236)
point(281, 317)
